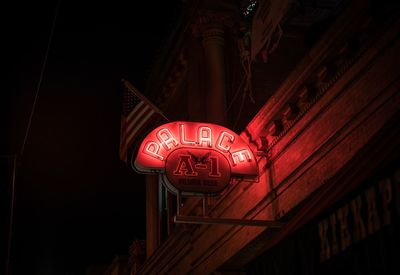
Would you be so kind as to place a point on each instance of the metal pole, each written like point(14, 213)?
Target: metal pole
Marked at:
point(205, 205)
point(208, 220)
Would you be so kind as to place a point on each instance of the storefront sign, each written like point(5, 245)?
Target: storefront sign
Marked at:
point(368, 212)
point(195, 157)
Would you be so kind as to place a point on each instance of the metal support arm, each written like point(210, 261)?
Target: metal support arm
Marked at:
point(209, 220)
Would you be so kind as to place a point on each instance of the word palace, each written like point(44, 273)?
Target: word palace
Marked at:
point(195, 157)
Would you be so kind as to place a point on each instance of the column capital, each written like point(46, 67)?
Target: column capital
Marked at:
point(212, 22)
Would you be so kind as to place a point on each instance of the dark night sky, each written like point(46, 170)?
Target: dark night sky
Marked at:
point(76, 202)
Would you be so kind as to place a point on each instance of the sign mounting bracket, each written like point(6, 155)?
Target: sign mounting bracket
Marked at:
point(204, 219)
point(210, 220)
point(198, 159)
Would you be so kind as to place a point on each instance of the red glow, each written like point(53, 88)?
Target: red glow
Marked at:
point(241, 156)
point(175, 148)
point(197, 170)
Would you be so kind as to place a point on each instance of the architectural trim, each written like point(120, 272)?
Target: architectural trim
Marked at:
point(326, 141)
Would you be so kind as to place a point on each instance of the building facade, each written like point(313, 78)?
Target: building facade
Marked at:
point(318, 102)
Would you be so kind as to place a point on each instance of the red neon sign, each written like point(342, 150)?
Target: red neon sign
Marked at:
point(195, 157)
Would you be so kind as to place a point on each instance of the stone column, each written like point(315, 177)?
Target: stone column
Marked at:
point(213, 44)
point(211, 26)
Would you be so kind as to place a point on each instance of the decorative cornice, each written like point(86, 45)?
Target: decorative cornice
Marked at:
point(306, 96)
point(315, 85)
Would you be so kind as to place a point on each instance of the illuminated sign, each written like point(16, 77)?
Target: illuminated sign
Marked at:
point(195, 157)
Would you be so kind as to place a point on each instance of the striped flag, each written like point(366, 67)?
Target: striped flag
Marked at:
point(137, 113)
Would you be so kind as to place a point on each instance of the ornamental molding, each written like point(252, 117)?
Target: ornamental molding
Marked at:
point(302, 90)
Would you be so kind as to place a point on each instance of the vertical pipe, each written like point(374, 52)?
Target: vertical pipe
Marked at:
point(152, 214)
point(213, 44)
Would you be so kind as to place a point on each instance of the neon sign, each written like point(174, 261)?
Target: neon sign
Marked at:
point(195, 157)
